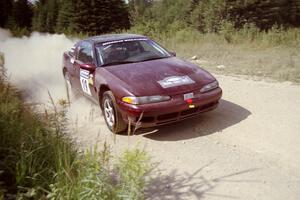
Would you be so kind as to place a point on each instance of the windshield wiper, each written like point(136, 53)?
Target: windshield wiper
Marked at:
point(117, 63)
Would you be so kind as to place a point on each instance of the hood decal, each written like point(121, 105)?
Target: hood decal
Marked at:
point(173, 81)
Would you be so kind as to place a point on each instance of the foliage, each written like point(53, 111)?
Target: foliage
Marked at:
point(22, 13)
point(45, 16)
point(86, 16)
point(264, 14)
point(138, 10)
point(5, 11)
point(209, 15)
point(65, 16)
point(93, 17)
point(39, 160)
point(95, 179)
point(15, 14)
point(132, 176)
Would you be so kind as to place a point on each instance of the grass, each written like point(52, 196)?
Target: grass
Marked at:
point(279, 63)
point(274, 54)
point(38, 159)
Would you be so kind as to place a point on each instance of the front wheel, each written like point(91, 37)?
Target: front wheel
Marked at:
point(112, 116)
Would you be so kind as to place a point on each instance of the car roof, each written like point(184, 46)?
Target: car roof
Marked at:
point(112, 37)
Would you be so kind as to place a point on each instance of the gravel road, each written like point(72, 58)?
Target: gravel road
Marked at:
point(248, 148)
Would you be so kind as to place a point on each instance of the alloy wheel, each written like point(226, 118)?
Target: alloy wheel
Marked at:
point(109, 112)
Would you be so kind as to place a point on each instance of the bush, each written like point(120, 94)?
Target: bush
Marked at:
point(39, 160)
point(97, 179)
point(19, 32)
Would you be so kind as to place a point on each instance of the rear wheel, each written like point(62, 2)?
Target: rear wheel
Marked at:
point(112, 116)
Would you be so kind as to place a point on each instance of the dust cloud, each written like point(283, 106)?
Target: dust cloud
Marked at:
point(34, 65)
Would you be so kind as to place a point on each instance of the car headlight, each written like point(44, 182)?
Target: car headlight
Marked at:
point(210, 87)
point(145, 100)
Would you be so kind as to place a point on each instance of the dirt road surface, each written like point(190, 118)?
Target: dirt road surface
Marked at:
point(248, 148)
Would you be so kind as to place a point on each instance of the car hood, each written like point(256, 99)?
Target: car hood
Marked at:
point(147, 78)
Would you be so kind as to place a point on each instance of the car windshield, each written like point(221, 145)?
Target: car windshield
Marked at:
point(129, 51)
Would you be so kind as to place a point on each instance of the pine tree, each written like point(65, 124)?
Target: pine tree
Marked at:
point(101, 16)
point(292, 12)
point(52, 14)
point(119, 15)
point(209, 15)
point(138, 9)
point(5, 11)
point(65, 20)
point(22, 13)
point(264, 13)
point(40, 16)
point(45, 15)
point(101, 20)
point(82, 16)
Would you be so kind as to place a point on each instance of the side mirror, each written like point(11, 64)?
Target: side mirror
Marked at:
point(89, 66)
point(173, 53)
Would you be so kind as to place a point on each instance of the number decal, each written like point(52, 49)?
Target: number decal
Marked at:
point(84, 81)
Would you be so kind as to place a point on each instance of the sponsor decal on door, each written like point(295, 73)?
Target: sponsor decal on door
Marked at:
point(84, 81)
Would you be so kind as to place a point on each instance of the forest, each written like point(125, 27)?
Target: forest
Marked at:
point(93, 17)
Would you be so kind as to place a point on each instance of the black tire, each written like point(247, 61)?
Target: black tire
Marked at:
point(112, 116)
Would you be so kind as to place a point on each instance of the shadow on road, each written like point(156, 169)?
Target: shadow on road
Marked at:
point(184, 186)
point(227, 114)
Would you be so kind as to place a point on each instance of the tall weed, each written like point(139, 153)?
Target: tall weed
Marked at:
point(39, 160)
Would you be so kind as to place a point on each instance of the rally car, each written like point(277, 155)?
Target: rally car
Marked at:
point(137, 81)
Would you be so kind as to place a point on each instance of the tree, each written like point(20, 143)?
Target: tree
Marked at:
point(264, 14)
point(45, 15)
point(65, 21)
point(138, 10)
point(5, 11)
point(208, 15)
point(100, 16)
point(22, 13)
point(52, 15)
point(80, 18)
point(119, 15)
point(292, 12)
point(101, 22)
point(40, 16)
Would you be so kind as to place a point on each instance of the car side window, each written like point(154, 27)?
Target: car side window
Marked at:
point(85, 53)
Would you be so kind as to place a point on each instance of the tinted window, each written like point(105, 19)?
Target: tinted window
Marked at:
point(85, 53)
point(129, 51)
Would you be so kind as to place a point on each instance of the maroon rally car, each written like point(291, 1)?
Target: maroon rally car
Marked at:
point(136, 80)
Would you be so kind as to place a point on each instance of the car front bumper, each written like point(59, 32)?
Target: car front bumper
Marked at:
point(155, 114)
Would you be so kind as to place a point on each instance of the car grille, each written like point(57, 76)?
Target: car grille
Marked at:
point(167, 116)
point(147, 119)
point(170, 117)
point(189, 111)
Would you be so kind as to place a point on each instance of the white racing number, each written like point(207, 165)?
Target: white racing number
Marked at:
point(84, 81)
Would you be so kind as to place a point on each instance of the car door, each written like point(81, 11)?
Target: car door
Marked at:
point(84, 78)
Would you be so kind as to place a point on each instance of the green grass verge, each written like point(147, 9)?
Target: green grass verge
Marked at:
point(38, 159)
